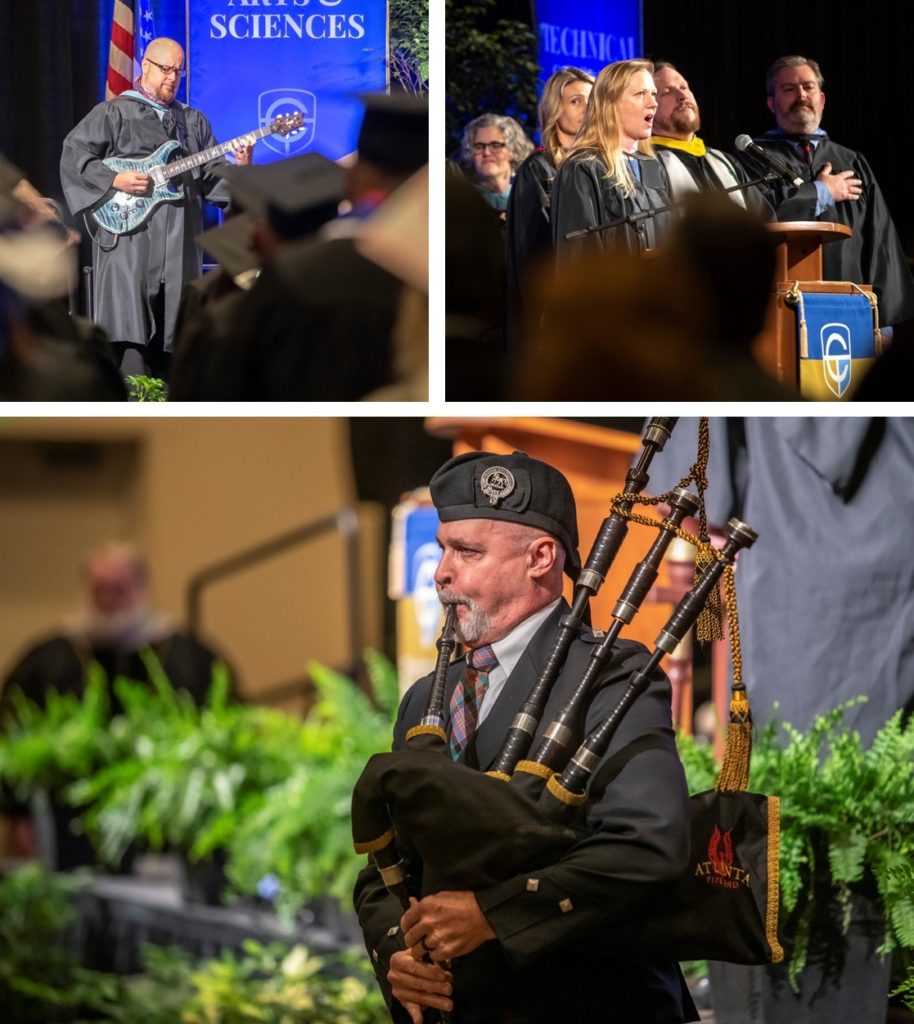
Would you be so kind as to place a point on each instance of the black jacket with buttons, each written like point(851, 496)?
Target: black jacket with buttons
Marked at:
point(561, 952)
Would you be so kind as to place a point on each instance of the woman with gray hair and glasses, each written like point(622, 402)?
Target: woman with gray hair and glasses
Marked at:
point(494, 146)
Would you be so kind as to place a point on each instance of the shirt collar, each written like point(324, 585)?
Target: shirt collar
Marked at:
point(509, 649)
point(693, 146)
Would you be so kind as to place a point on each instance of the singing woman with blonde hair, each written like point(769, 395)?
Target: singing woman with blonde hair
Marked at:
point(529, 235)
point(611, 171)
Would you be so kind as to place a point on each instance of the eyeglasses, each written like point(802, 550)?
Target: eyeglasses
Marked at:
point(496, 147)
point(168, 69)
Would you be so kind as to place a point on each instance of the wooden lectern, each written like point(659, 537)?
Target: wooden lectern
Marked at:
point(799, 259)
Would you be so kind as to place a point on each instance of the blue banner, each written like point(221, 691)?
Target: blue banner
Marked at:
point(252, 60)
point(587, 35)
point(839, 346)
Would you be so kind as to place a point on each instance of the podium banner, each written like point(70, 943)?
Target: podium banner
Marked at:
point(252, 60)
point(839, 347)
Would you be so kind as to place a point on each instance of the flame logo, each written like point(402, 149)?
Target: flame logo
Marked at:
point(720, 851)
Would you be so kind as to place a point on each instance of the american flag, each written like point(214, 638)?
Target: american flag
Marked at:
point(132, 28)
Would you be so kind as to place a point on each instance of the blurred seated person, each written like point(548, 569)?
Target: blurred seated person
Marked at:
point(680, 326)
point(46, 354)
point(474, 258)
point(493, 147)
point(278, 203)
point(319, 322)
point(397, 241)
point(611, 171)
point(115, 629)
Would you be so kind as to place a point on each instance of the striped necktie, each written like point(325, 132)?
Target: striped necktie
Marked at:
point(467, 698)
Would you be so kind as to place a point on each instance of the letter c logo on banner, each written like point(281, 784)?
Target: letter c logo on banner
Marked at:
point(836, 357)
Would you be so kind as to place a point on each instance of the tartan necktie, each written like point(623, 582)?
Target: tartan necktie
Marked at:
point(808, 153)
point(467, 698)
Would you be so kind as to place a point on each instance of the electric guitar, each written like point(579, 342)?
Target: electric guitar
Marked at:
point(124, 212)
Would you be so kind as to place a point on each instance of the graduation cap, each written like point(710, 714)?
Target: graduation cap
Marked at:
point(230, 245)
point(394, 131)
point(294, 196)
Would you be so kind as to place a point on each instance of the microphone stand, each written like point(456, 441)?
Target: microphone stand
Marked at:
point(633, 219)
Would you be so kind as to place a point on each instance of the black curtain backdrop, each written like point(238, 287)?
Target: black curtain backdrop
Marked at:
point(48, 72)
point(724, 47)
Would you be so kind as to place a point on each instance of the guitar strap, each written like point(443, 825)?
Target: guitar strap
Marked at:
point(175, 125)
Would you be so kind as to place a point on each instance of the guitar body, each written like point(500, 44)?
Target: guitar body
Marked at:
point(123, 213)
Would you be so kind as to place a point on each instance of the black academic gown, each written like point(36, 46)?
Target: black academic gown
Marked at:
point(316, 326)
point(548, 964)
point(131, 269)
point(582, 197)
point(61, 663)
point(528, 236)
point(874, 254)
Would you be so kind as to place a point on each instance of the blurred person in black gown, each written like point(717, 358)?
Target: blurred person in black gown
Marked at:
point(278, 204)
point(680, 326)
point(114, 630)
point(475, 367)
point(529, 230)
point(318, 323)
point(46, 354)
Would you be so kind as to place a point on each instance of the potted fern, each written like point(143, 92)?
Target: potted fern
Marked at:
point(298, 831)
point(847, 829)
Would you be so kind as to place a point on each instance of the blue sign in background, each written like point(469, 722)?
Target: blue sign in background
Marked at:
point(248, 63)
point(587, 35)
point(249, 60)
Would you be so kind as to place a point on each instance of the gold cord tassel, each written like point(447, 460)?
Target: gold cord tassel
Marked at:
point(709, 624)
point(734, 772)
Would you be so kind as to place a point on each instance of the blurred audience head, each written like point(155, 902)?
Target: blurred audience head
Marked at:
point(679, 326)
point(392, 144)
point(117, 592)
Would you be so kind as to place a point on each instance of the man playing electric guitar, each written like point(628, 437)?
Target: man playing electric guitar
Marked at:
point(140, 273)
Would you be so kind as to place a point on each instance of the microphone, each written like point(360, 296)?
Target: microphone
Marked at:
point(744, 143)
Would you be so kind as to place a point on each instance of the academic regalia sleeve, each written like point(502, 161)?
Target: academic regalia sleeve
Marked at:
point(882, 257)
point(214, 188)
point(83, 176)
point(576, 203)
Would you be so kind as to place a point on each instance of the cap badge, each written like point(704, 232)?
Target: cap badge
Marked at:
point(496, 483)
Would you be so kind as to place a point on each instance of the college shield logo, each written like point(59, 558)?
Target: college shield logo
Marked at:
point(273, 102)
point(836, 357)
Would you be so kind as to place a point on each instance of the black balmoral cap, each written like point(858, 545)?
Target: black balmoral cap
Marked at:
point(295, 196)
point(514, 488)
point(394, 130)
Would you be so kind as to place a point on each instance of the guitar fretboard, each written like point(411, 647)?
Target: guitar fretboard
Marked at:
point(188, 163)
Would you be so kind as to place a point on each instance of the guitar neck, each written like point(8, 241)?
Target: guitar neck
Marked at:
point(188, 163)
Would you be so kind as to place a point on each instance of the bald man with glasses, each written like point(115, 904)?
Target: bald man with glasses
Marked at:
point(139, 275)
